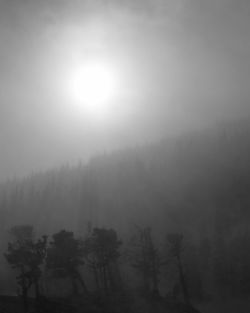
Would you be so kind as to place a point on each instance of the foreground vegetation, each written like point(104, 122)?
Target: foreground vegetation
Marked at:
point(36, 260)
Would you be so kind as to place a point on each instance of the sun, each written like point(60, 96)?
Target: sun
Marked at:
point(93, 85)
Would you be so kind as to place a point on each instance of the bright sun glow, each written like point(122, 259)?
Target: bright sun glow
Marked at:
point(93, 86)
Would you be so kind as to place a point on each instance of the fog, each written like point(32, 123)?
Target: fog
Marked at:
point(124, 156)
point(183, 66)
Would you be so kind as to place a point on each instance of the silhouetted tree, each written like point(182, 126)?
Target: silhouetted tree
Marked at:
point(193, 271)
point(65, 256)
point(175, 241)
point(26, 255)
point(146, 259)
point(102, 251)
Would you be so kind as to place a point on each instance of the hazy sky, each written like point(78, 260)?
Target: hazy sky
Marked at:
point(181, 65)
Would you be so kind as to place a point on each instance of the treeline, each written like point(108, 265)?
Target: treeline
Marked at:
point(38, 261)
point(63, 258)
point(102, 265)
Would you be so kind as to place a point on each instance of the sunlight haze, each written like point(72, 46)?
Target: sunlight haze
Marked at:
point(165, 67)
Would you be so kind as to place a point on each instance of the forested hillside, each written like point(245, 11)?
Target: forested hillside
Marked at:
point(197, 185)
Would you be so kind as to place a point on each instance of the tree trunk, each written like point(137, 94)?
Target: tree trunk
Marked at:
point(105, 280)
point(37, 290)
point(183, 282)
point(96, 278)
point(25, 299)
point(111, 278)
point(80, 279)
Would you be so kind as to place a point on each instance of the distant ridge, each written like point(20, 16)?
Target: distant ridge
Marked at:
point(169, 181)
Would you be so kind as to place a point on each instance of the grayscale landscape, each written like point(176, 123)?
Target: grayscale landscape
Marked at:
point(124, 156)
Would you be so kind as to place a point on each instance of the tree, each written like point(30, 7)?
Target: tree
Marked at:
point(102, 252)
point(26, 255)
point(146, 260)
point(175, 241)
point(65, 256)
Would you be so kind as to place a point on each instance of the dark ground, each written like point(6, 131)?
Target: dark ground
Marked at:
point(13, 304)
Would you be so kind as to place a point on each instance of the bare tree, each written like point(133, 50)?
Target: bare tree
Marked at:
point(146, 259)
point(175, 241)
point(102, 252)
